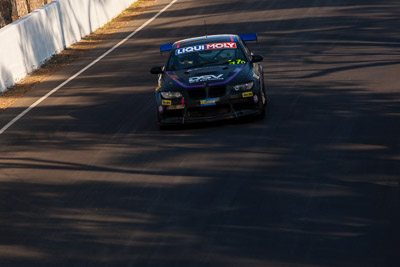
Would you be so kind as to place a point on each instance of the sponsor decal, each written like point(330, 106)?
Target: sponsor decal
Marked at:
point(204, 47)
point(247, 94)
point(208, 102)
point(206, 78)
point(166, 102)
point(227, 80)
point(220, 46)
point(255, 99)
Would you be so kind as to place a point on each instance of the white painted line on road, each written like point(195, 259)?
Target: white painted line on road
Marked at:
point(8, 125)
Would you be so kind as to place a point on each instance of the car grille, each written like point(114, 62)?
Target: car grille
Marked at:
point(216, 91)
point(213, 91)
point(198, 93)
point(209, 111)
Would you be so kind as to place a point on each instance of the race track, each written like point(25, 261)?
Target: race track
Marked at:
point(88, 179)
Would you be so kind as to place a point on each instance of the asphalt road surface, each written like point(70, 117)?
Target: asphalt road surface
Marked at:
point(88, 179)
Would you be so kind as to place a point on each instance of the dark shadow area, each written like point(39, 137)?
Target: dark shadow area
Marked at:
point(88, 179)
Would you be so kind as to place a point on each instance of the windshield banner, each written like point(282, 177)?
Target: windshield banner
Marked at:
point(204, 47)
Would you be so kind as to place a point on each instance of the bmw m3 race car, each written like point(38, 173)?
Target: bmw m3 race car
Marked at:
point(209, 78)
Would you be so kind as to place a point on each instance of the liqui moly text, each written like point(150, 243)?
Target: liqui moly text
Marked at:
point(203, 47)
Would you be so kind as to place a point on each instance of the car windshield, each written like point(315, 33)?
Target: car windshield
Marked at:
point(205, 55)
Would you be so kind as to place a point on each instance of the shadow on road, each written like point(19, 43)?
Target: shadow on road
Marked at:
point(316, 183)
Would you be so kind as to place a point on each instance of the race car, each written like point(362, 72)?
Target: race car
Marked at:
point(209, 78)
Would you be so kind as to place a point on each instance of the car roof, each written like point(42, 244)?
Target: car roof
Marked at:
point(205, 39)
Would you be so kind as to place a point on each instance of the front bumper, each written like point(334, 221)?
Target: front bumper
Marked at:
point(223, 110)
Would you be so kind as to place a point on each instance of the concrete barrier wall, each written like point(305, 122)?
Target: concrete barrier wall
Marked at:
point(29, 42)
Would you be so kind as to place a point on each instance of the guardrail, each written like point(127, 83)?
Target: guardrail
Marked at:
point(27, 43)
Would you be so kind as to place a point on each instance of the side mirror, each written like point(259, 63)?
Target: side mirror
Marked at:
point(156, 70)
point(257, 58)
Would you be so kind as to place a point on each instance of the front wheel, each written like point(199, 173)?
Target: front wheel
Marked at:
point(261, 107)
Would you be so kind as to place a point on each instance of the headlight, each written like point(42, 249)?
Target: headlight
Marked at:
point(170, 95)
point(243, 86)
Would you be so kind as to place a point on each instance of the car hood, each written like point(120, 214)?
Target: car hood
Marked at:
point(211, 76)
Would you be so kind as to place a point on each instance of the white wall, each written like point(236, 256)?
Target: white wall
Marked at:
point(30, 41)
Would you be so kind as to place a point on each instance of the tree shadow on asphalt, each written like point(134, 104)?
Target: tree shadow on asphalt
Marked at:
point(316, 183)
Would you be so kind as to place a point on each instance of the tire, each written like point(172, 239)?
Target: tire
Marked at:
point(261, 109)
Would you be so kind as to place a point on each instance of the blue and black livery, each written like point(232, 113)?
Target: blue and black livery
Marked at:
point(210, 78)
